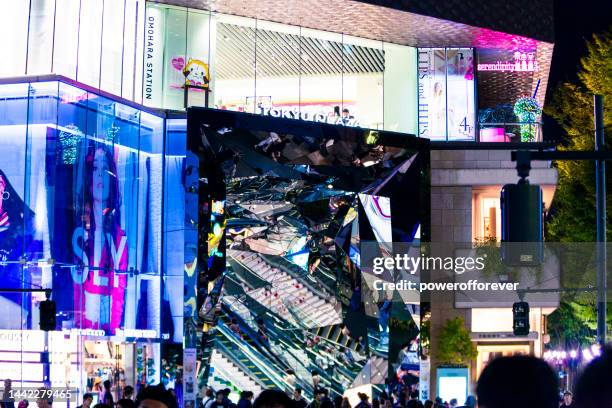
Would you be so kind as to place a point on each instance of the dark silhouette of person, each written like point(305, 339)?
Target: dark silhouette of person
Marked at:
point(517, 381)
point(593, 388)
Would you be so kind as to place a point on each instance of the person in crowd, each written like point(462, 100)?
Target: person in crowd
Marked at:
point(290, 378)
point(316, 402)
point(127, 401)
point(326, 402)
point(567, 400)
point(453, 403)
point(337, 401)
point(155, 396)
point(498, 384)
point(246, 399)
point(45, 400)
point(470, 402)
point(273, 399)
point(107, 397)
point(23, 404)
point(298, 399)
point(221, 400)
point(7, 400)
point(87, 400)
point(376, 403)
point(414, 402)
point(428, 404)
point(101, 405)
point(235, 327)
point(209, 398)
point(363, 401)
point(346, 116)
point(593, 387)
point(316, 379)
point(262, 332)
point(345, 403)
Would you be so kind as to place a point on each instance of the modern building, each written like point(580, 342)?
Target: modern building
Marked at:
point(93, 96)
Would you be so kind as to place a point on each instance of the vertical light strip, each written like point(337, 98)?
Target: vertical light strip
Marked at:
point(28, 39)
point(123, 48)
point(78, 47)
point(101, 46)
point(53, 35)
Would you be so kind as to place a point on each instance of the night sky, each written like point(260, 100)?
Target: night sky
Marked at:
point(575, 23)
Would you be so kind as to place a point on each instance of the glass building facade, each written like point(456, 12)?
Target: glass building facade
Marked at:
point(172, 57)
point(91, 208)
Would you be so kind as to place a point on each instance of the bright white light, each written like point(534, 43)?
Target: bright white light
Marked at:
point(586, 353)
point(573, 353)
point(546, 355)
point(563, 355)
point(596, 350)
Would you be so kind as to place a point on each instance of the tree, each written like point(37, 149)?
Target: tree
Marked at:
point(573, 210)
point(456, 346)
point(572, 217)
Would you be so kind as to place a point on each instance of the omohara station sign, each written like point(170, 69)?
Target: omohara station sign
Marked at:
point(294, 113)
point(523, 62)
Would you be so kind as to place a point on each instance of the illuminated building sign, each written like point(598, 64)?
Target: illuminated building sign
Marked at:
point(523, 62)
point(294, 113)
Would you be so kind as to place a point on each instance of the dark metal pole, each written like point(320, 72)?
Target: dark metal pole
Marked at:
point(600, 171)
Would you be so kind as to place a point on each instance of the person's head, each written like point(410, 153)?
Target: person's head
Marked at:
point(128, 391)
point(155, 396)
point(247, 395)
point(593, 386)
point(428, 404)
point(415, 395)
point(87, 400)
point(107, 385)
point(101, 186)
point(498, 384)
point(45, 399)
point(209, 392)
point(437, 91)
point(453, 402)
point(345, 113)
point(567, 397)
point(220, 396)
point(337, 110)
point(297, 393)
point(272, 399)
point(7, 383)
point(363, 396)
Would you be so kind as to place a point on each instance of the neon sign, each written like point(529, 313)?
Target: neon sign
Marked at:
point(523, 62)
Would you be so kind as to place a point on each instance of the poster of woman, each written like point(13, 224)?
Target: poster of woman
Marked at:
point(99, 243)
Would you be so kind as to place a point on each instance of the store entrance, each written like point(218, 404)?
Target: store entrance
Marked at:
point(122, 363)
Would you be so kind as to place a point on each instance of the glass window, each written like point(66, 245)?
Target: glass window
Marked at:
point(446, 93)
point(400, 88)
point(196, 72)
point(234, 64)
point(66, 39)
point(363, 65)
point(112, 46)
point(14, 26)
point(279, 58)
point(90, 35)
point(174, 225)
point(432, 93)
point(321, 94)
point(40, 42)
point(460, 94)
point(132, 50)
point(175, 52)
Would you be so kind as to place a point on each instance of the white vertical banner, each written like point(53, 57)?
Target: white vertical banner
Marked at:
point(424, 375)
point(153, 71)
point(190, 373)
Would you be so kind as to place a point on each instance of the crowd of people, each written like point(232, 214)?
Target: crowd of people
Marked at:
point(506, 382)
